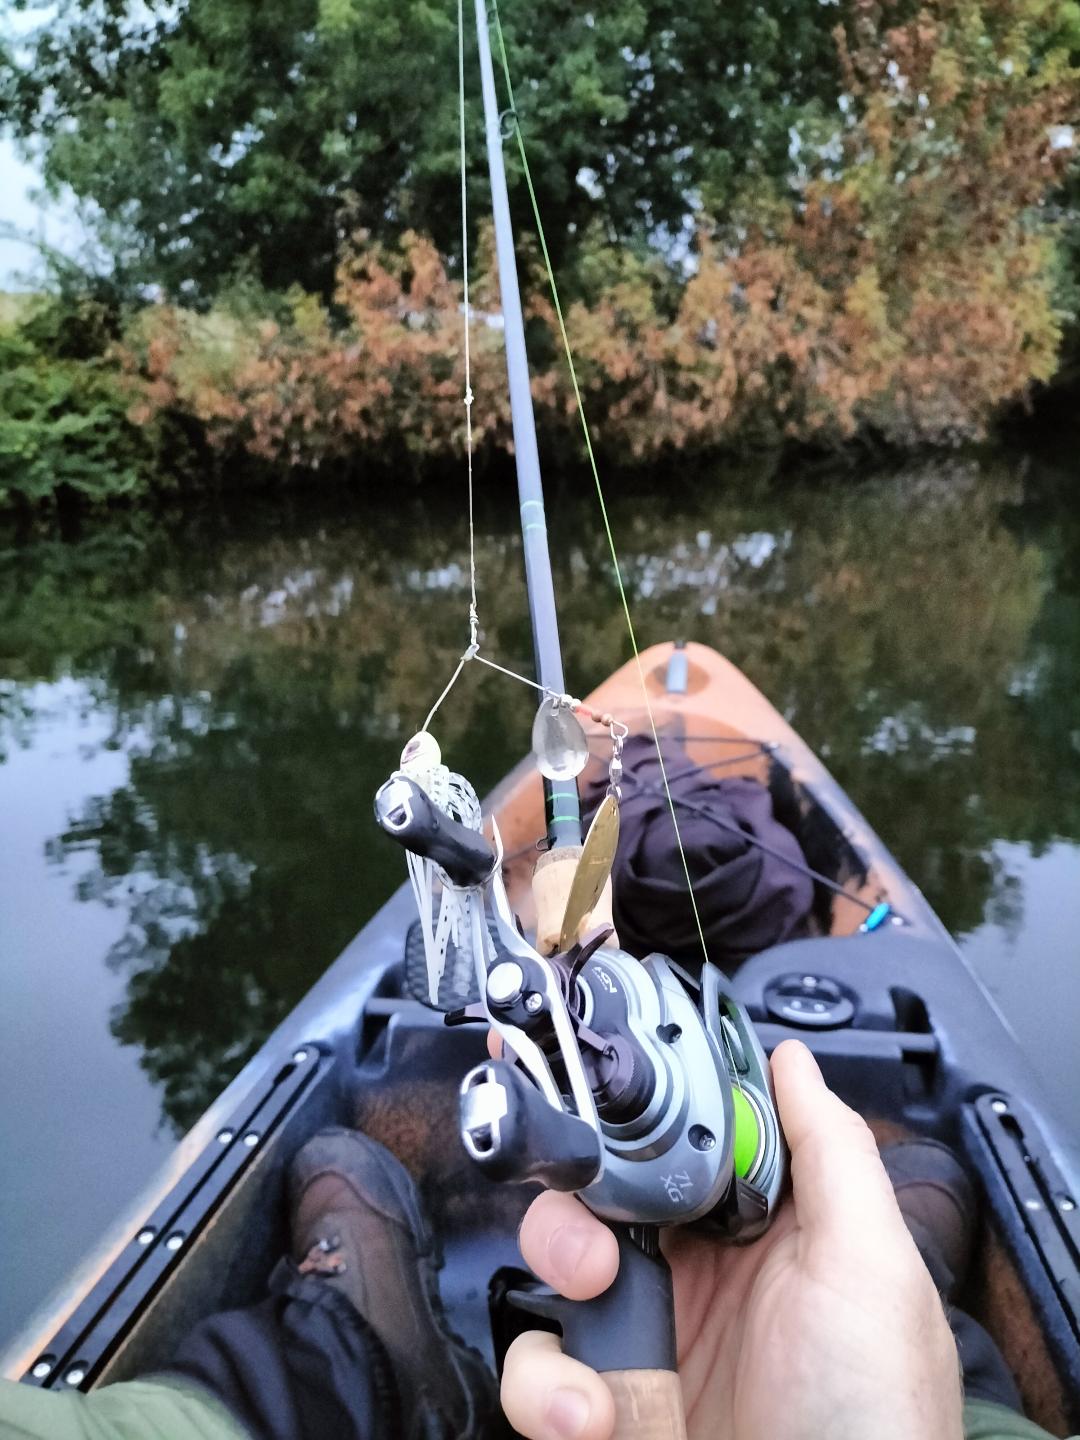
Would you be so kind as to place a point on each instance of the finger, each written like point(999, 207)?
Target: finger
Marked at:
point(494, 1045)
point(548, 1396)
point(842, 1193)
point(568, 1247)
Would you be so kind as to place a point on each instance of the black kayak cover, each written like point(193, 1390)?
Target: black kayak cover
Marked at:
point(748, 898)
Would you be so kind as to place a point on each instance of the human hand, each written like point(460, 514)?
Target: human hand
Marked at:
point(827, 1328)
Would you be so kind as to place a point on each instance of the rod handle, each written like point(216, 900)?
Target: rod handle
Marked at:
point(552, 879)
point(627, 1334)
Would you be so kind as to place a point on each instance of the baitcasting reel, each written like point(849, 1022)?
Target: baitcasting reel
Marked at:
point(633, 1082)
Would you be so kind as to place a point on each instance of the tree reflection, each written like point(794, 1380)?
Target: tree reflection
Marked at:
point(261, 675)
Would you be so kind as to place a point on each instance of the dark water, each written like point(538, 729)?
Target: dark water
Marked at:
point(194, 714)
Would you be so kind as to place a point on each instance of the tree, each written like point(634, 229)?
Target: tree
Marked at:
point(219, 133)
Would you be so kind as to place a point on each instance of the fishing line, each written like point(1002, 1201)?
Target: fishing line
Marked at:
point(494, 10)
point(474, 619)
point(474, 622)
point(544, 690)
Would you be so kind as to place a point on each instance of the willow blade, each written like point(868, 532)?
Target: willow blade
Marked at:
point(593, 869)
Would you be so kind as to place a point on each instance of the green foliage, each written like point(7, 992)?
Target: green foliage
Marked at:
point(219, 131)
point(67, 432)
point(67, 325)
point(802, 222)
point(64, 425)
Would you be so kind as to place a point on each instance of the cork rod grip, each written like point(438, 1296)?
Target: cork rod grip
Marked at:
point(552, 879)
point(648, 1405)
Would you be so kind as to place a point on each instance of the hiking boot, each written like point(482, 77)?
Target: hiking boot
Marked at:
point(937, 1201)
point(357, 1224)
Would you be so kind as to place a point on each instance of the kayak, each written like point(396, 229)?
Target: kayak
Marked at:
point(875, 986)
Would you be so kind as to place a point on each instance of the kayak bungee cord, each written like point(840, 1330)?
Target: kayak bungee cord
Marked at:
point(634, 1083)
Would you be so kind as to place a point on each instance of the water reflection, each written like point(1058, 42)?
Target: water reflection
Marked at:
point(258, 672)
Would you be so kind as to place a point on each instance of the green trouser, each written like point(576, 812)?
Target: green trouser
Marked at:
point(158, 1410)
point(984, 1420)
point(134, 1410)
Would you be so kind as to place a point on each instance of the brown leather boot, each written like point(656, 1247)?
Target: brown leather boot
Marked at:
point(357, 1223)
point(937, 1201)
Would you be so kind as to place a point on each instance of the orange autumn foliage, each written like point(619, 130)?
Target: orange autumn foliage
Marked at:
point(903, 283)
point(300, 389)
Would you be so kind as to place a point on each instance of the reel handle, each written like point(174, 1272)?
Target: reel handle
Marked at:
point(627, 1334)
point(410, 816)
point(512, 1133)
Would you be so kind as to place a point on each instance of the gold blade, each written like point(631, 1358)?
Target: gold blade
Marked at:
point(593, 869)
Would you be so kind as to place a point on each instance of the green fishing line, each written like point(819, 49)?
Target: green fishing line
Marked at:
point(592, 461)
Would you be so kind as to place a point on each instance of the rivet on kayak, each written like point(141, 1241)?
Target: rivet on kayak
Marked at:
point(175, 1240)
point(999, 1107)
point(76, 1375)
point(43, 1367)
point(251, 1139)
point(299, 1056)
point(224, 1136)
point(1033, 1204)
point(146, 1234)
point(1066, 1203)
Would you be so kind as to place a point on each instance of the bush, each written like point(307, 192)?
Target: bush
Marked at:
point(63, 424)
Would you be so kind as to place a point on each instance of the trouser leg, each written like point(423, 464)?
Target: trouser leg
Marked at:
point(986, 1375)
point(300, 1365)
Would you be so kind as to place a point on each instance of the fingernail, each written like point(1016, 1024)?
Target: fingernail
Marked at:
point(567, 1413)
point(566, 1250)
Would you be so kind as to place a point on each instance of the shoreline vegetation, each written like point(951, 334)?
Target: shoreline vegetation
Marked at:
point(898, 263)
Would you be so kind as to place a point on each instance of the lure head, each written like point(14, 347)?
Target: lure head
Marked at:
point(420, 755)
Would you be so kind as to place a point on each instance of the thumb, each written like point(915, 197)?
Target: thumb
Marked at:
point(843, 1197)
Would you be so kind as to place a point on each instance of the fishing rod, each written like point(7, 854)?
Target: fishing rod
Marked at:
point(638, 1084)
point(562, 807)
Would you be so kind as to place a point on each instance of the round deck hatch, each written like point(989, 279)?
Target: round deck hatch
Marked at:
point(813, 1002)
